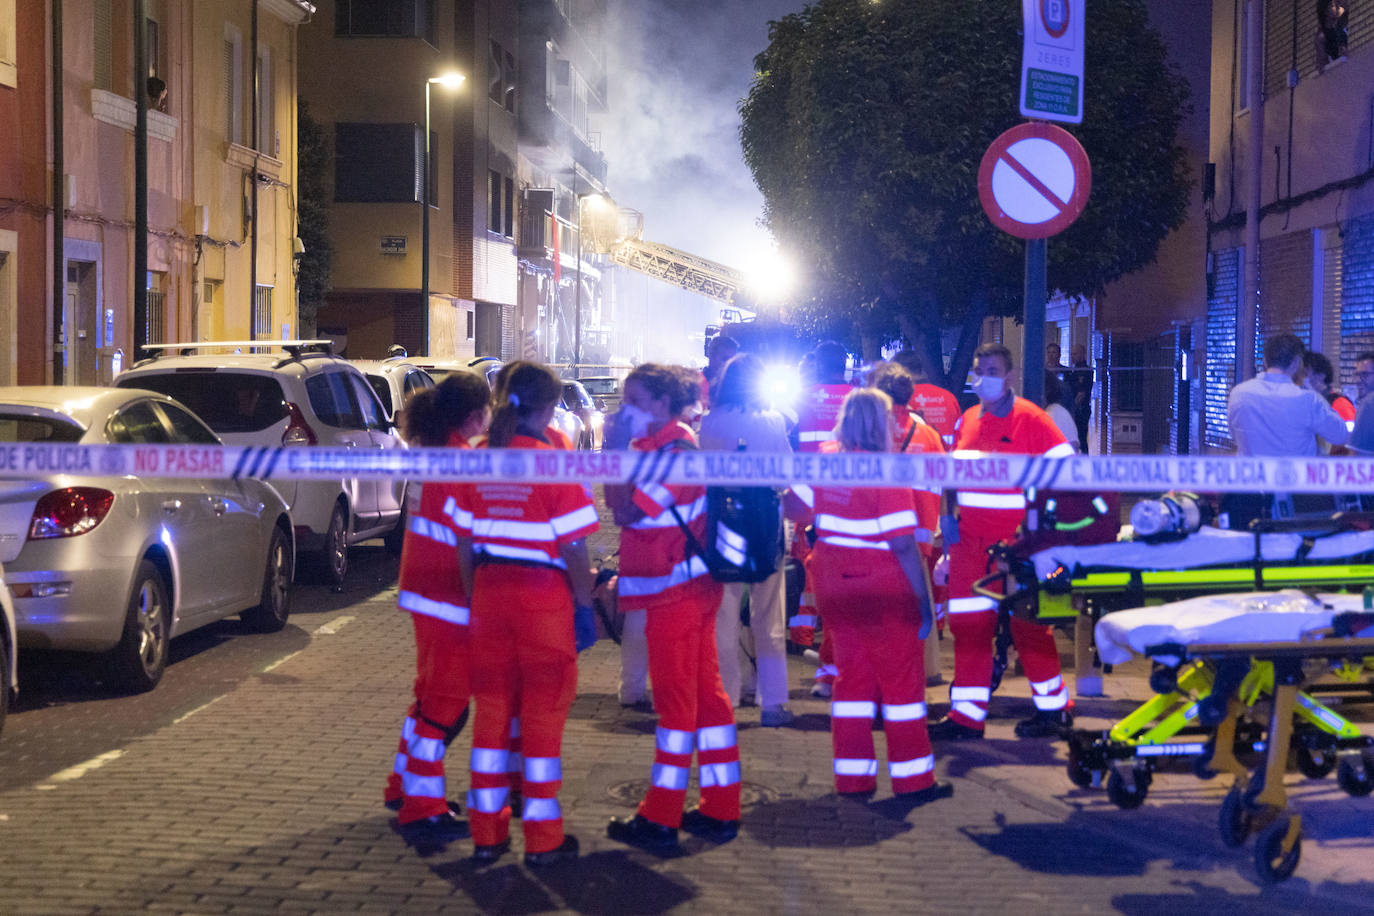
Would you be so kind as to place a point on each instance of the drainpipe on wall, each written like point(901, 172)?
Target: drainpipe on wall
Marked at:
point(1249, 299)
point(140, 240)
point(253, 241)
point(59, 204)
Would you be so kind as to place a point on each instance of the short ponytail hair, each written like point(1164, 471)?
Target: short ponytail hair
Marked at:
point(524, 390)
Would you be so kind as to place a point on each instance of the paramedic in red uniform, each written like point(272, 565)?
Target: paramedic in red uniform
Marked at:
point(932, 403)
point(660, 573)
point(449, 415)
point(817, 413)
point(526, 555)
point(1000, 422)
point(871, 585)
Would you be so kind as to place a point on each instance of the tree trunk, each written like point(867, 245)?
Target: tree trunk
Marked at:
point(970, 332)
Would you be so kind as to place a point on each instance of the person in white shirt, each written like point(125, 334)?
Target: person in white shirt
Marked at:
point(740, 417)
point(1272, 416)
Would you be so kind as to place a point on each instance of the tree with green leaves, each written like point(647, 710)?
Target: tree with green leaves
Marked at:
point(312, 217)
point(864, 129)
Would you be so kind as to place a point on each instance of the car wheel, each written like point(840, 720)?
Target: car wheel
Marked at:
point(137, 663)
point(395, 538)
point(332, 561)
point(270, 615)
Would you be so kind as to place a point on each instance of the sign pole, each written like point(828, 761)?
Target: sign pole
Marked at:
point(1033, 323)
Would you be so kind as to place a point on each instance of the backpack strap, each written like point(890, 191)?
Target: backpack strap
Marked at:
point(911, 431)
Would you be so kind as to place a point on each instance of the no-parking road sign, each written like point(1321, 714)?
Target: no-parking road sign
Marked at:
point(1034, 180)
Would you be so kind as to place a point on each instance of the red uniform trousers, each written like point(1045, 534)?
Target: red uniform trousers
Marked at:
point(872, 617)
point(442, 689)
point(525, 662)
point(973, 622)
point(694, 711)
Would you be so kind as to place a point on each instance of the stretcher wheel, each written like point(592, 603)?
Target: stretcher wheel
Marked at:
point(1354, 777)
point(1202, 767)
point(1272, 863)
point(1314, 763)
point(1164, 680)
point(1079, 772)
point(1128, 795)
point(1234, 821)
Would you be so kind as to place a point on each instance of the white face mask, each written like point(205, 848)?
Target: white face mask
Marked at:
point(636, 419)
point(989, 387)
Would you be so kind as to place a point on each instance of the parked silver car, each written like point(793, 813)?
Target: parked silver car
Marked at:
point(9, 673)
point(292, 393)
point(394, 380)
point(122, 565)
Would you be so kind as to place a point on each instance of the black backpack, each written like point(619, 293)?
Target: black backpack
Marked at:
point(744, 541)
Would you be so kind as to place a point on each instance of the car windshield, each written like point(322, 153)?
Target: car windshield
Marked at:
point(21, 428)
point(228, 402)
point(600, 385)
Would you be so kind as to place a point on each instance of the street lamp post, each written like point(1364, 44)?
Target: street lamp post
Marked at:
point(451, 80)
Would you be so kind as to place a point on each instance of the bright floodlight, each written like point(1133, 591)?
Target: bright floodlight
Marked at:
point(450, 80)
point(771, 275)
point(593, 201)
point(781, 386)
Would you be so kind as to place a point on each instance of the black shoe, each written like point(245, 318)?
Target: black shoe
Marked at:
point(441, 828)
point(565, 852)
point(940, 789)
point(949, 730)
point(485, 855)
point(1045, 724)
point(708, 827)
point(396, 804)
point(642, 832)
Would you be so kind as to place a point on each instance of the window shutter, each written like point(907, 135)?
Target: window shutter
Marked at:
point(104, 64)
point(229, 89)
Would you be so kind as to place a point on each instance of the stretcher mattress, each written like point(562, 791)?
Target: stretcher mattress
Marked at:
point(1208, 547)
point(1239, 617)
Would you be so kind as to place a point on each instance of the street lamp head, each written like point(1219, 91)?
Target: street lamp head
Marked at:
point(450, 80)
point(593, 201)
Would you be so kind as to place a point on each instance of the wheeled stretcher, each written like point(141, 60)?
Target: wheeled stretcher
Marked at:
point(1183, 721)
point(1299, 637)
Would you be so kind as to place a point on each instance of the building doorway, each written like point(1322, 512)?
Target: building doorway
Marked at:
point(78, 334)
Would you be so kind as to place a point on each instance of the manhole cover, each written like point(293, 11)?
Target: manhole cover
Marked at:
point(632, 790)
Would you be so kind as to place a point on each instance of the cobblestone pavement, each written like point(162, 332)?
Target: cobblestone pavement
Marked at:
point(269, 799)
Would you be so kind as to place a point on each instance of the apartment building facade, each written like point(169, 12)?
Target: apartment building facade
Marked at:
point(1314, 184)
point(204, 175)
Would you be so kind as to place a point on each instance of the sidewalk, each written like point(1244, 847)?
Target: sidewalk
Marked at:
point(270, 800)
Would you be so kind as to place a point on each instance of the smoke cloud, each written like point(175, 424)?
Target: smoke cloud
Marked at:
point(677, 72)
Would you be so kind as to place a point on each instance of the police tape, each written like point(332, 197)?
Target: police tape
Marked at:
point(961, 470)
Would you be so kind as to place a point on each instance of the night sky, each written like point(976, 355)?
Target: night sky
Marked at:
point(677, 73)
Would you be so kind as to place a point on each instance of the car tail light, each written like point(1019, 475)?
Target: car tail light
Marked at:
point(297, 432)
point(69, 512)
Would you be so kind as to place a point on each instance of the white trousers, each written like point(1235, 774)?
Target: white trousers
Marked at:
point(768, 636)
point(634, 659)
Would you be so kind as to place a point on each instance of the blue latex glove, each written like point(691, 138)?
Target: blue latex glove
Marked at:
point(584, 627)
point(949, 529)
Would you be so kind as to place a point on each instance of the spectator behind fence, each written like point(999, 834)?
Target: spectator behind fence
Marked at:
point(1362, 435)
point(1054, 406)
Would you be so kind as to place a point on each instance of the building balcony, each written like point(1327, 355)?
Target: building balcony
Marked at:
point(552, 144)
